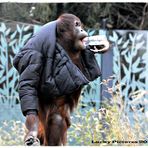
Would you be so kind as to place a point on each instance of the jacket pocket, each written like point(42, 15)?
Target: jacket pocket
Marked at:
point(49, 89)
point(64, 81)
point(59, 64)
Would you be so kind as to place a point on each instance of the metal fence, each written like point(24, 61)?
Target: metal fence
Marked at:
point(125, 65)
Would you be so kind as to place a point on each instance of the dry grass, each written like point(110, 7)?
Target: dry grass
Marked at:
point(111, 125)
point(12, 133)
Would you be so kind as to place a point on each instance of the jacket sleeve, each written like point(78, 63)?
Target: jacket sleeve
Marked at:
point(29, 64)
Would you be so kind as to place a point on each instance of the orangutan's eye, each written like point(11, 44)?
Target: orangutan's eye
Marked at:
point(77, 24)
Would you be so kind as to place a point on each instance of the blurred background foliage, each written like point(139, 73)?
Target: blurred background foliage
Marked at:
point(119, 15)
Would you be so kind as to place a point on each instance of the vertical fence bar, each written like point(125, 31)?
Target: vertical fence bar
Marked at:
point(146, 81)
point(106, 65)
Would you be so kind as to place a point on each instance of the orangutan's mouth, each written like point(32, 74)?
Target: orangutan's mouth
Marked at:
point(82, 39)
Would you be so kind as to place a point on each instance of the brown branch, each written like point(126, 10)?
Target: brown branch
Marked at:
point(143, 16)
point(17, 22)
point(127, 21)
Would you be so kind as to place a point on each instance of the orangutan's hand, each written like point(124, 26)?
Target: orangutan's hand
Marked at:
point(32, 122)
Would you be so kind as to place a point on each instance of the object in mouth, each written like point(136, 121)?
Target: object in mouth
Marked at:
point(96, 43)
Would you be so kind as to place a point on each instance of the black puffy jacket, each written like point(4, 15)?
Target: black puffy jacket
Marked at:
point(45, 68)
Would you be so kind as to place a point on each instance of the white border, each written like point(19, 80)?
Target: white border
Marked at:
point(72, 1)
